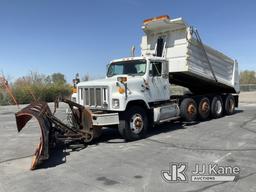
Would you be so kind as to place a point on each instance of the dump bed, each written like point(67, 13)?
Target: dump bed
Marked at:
point(192, 64)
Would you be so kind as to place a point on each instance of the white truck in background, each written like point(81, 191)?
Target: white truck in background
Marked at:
point(136, 92)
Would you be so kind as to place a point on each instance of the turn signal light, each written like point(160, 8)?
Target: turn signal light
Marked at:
point(74, 90)
point(121, 90)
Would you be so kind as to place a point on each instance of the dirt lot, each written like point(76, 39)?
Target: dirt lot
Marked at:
point(110, 164)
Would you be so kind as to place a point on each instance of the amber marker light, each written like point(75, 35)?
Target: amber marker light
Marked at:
point(159, 18)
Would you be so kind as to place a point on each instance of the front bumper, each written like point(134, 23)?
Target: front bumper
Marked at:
point(105, 119)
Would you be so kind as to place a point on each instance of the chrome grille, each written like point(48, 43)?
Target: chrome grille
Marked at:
point(98, 97)
point(92, 96)
point(95, 97)
point(86, 94)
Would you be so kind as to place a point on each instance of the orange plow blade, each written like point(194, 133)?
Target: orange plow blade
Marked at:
point(53, 130)
point(40, 111)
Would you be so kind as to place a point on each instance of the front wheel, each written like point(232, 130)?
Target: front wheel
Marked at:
point(133, 124)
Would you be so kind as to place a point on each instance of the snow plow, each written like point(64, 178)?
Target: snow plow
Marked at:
point(53, 130)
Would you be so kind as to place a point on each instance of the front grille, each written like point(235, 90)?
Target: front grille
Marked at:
point(95, 97)
point(92, 97)
point(98, 97)
point(87, 98)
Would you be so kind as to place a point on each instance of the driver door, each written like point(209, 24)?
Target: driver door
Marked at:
point(158, 82)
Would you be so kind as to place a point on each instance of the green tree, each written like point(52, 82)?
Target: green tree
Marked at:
point(41, 87)
point(247, 77)
point(58, 78)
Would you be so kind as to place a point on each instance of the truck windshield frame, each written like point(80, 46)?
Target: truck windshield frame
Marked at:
point(130, 67)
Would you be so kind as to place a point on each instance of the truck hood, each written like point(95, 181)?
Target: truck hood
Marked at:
point(109, 81)
point(98, 82)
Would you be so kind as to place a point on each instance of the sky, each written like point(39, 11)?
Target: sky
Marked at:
point(71, 36)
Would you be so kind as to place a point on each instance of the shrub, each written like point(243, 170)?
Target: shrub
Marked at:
point(39, 87)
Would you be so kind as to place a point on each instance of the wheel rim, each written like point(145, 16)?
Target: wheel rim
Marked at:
point(136, 123)
point(191, 109)
point(218, 107)
point(205, 107)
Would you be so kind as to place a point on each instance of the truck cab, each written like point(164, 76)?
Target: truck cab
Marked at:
point(132, 82)
point(128, 79)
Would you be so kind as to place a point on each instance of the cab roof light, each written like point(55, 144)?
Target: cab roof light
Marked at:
point(159, 18)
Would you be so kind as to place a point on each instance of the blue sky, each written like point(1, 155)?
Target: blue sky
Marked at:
point(70, 36)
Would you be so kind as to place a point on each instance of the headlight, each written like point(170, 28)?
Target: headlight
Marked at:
point(115, 103)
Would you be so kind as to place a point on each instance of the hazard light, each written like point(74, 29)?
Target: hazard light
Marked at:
point(159, 18)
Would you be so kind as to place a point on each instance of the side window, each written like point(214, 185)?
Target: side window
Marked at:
point(156, 68)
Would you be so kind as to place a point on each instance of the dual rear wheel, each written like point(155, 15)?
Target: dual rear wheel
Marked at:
point(134, 121)
point(204, 108)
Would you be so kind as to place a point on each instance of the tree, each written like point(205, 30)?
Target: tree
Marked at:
point(37, 86)
point(247, 77)
point(1, 96)
point(48, 79)
point(58, 79)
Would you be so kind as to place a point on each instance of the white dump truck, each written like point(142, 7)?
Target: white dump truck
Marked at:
point(136, 92)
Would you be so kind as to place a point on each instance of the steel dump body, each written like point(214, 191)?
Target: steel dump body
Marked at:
point(191, 63)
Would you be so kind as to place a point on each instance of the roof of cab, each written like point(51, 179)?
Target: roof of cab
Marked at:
point(137, 58)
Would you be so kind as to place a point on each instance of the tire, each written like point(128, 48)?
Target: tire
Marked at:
point(216, 107)
point(133, 124)
point(204, 108)
point(229, 105)
point(188, 109)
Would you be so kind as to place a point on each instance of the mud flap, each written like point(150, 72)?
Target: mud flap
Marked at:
point(41, 111)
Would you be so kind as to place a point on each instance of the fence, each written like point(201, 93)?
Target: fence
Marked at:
point(248, 87)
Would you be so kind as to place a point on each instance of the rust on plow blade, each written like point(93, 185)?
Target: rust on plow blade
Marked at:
point(38, 110)
point(53, 130)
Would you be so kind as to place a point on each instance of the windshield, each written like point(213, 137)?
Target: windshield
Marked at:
point(134, 68)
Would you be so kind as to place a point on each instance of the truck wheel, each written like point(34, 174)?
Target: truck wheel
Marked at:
point(216, 107)
point(204, 108)
point(188, 109)
point(229, 105)
point(134, 124)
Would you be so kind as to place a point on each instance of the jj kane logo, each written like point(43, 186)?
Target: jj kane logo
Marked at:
point(177, 172)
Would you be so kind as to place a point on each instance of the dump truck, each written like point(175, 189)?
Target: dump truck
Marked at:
point(136, 92)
